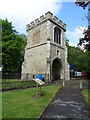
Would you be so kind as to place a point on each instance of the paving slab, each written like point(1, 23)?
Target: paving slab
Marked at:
point(68, 104)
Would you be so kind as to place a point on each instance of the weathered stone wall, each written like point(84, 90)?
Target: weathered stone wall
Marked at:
point(37, 35)
point(67, 74)
point(58, 50)
point(36, 50)
point(36, 61)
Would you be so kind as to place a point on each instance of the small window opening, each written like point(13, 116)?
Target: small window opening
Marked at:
point(57, 52)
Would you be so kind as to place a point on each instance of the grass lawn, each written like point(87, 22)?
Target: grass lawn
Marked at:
point(23, 104)
point(86, 94)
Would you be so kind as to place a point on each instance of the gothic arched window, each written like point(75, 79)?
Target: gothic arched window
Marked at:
point(57, 35)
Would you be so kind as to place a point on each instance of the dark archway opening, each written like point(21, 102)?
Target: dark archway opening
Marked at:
point(56, 69)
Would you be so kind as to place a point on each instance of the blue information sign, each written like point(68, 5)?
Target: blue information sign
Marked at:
point(71, 67)
point(39, 76)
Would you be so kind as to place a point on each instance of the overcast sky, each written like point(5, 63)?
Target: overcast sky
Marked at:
point(22, 12)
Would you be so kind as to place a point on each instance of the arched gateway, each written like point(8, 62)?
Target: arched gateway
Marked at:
point(46, 52)
point(56, 69)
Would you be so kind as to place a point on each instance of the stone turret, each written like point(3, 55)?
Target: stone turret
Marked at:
point(45, 51)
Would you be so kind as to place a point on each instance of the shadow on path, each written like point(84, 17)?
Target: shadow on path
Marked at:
point(68, 104)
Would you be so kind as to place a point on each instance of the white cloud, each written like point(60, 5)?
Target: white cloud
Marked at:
point(22, 12)
point(75, 35)
point(72, 44)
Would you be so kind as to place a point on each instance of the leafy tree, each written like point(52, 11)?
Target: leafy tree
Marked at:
point(86, 39)
point(82, 4)
point(13, 45)
point(79, 58)
point(83, 61)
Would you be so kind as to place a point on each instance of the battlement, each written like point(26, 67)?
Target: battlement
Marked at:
point(43, 18)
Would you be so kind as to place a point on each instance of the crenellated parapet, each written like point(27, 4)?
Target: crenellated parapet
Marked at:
point(47, 16)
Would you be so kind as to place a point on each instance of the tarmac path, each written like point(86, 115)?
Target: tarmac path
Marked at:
point(68, 104)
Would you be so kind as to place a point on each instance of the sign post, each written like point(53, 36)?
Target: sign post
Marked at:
point(80, 84)
point(39, 84)
point(63, 82)
point(37, 91)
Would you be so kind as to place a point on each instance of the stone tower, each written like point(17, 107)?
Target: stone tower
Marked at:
point(45, 51)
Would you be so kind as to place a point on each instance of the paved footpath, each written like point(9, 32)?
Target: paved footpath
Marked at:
point(68, 103)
